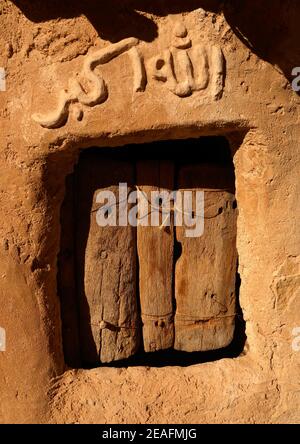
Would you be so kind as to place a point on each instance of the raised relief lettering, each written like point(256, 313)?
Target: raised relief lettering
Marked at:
point(184, 69)
point(91, 89)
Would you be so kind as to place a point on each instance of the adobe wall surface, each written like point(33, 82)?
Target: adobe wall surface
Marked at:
point(47, 49)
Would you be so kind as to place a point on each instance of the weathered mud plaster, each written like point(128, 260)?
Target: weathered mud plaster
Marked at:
point(222, 88)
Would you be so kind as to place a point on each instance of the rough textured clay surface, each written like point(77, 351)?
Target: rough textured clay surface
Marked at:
point(84, 74)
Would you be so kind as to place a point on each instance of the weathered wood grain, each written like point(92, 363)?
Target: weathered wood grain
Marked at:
point(155, 252)
point(206, 271)
point(106, 261)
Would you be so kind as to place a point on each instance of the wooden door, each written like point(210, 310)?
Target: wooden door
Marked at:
point(206, 271)
point(106, 265)
point(120, 285)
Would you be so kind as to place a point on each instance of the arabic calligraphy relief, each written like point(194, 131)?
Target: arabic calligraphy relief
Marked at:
point(183, 69)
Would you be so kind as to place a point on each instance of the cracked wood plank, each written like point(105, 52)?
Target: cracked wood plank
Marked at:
point(205, 273)
point(155, 252)
point(106, 261)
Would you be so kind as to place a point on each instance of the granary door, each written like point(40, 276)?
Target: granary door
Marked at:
point(130, 290)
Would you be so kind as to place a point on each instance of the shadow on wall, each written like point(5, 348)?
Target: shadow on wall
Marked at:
point(269, 28)
point(116, 19)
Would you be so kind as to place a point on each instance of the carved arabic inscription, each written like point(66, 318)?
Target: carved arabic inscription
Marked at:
point(183, 69)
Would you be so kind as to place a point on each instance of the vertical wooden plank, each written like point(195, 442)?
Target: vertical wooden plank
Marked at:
point(67, 280)
point(106, 259)
point(206, 271)
point(155, 253)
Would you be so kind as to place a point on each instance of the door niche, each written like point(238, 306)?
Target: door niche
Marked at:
point(127, 290)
